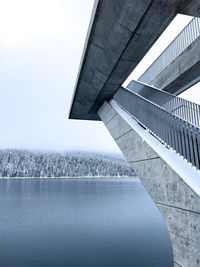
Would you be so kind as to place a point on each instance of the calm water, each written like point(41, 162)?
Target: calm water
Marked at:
point(82, 222)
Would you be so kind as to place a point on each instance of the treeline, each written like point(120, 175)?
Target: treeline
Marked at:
point(23, 163)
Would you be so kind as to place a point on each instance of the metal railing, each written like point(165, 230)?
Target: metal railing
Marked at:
point(171, 130)
point(178, 106)
point(185, 38)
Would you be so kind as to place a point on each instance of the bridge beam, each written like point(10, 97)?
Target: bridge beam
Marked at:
point(171, 182)
point(190, 7)
point(121, 34)
point(181, 73)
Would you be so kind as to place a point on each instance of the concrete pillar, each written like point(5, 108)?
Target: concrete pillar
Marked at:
point(173, 184)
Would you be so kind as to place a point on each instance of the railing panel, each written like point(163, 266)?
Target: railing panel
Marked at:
point(185, 38)
point(170, 129)
point(180, 107)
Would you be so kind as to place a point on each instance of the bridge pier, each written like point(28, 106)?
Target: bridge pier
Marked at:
point(172, 183)
point(119, 35)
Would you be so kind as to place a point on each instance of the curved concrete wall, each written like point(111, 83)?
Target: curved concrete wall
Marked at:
point(173, 184)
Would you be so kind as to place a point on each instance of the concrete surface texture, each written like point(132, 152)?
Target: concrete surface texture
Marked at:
point(190, 7)
point(178, 202)
point(181, 72)
point(121, 34)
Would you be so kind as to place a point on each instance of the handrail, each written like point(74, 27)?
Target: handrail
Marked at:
point(185, 38)
point(171, 130)
point(178, 106)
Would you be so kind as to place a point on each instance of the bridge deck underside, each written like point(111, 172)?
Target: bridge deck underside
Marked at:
point(122, 33)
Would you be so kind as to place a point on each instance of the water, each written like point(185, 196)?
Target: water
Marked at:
point(82, 222)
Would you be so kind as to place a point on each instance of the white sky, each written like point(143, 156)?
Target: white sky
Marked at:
point(41, 42)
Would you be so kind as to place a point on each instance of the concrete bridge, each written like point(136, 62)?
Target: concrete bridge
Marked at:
point(178, 67)
point(159, 133)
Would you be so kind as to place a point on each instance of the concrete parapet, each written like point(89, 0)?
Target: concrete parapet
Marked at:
point(182, 72)
point(165, 176)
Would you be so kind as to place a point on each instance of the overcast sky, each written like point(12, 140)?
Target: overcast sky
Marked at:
point(41, 42)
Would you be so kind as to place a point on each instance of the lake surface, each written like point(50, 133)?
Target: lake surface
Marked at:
point(80, 222)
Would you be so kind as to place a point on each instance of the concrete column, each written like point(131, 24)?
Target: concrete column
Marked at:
point(171, 182)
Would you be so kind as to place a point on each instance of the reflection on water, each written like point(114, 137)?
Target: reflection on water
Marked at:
point(80, 222)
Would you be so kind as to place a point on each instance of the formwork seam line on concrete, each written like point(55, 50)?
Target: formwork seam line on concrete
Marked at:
point(144, 160)
point(124, 134)
point(170, 206)
point(110, 119)
point(177, 263)
point(185, 238)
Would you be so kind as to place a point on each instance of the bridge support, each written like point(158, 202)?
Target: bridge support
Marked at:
point(182, 73)
point(173, 184)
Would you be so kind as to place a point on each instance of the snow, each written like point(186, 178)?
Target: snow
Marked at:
point(189, 173)
point(24, 163)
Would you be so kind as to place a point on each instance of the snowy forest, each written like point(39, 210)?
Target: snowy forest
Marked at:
point(23, 163)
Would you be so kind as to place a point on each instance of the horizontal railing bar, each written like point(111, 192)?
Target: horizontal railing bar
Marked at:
point(173, 131)
point(184, 39)
point(182, 108)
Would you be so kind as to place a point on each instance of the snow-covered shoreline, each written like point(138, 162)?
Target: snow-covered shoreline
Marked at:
point(23, 163)
point(76, 177)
